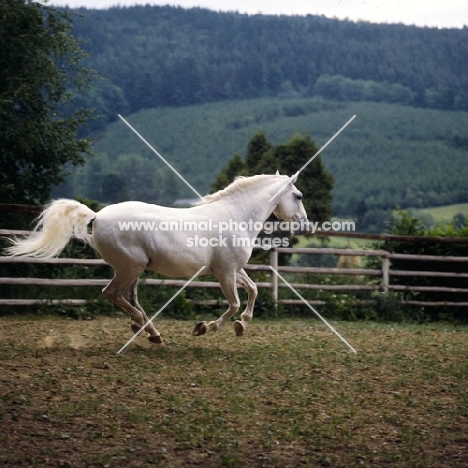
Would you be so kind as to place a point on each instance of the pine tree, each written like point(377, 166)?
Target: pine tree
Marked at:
point(235, 167)
point(315, 182)
point(40, 71)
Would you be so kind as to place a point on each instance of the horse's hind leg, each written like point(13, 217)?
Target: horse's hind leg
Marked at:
point(243, 280)
point(228, 286)
point(132, 297)
point(120, 291)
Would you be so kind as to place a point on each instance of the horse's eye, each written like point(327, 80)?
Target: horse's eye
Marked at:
point(299, 196)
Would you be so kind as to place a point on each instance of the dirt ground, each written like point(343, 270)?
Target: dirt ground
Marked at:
point(287, 394)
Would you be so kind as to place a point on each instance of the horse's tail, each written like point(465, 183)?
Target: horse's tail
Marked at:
point(59, 221)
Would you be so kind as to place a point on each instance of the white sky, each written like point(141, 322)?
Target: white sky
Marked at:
point(433, 13)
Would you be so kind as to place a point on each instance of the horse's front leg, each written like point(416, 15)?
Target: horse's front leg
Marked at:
point(228, 286)
point(251, 288)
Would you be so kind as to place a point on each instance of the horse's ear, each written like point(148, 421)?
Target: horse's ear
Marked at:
point(277, 173)
point(294, 178)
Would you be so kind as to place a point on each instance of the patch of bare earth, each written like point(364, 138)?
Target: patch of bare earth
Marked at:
point(286, 394)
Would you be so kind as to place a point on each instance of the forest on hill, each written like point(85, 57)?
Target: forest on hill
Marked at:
point(390, 155)
point(155, 56)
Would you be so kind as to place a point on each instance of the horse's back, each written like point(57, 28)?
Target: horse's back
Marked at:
point(130, 209)
point(137, 233)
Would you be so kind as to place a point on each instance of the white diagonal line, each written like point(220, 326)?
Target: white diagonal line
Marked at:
point(313, 310)
point(160, 310)
point(327, 143)
point(315, 155)
point(157, 154)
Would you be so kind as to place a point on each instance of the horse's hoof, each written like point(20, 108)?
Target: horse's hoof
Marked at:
point(200, 329)
point(135, 328)
point(238, 328)
point(155, 339)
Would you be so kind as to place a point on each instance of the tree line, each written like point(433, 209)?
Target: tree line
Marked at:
point(41, 73)
point(169, 56)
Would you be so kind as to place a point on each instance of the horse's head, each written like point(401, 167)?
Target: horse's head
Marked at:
point(289, 204)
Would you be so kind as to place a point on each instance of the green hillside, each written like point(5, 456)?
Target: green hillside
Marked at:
point(389, 155)
point(168, 56)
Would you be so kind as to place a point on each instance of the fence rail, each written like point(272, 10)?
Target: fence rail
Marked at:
point(385, 273)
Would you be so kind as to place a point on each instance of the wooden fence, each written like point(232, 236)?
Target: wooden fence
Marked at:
point(384, 273)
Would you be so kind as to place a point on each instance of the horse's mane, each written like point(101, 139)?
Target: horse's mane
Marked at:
point(240, 184)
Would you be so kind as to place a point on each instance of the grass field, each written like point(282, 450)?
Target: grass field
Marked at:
point(287, 394)
point(445, 214)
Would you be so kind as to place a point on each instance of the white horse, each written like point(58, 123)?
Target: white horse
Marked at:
point(248, 201)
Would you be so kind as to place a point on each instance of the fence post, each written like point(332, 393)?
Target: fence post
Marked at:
point(385, 274)
point(274, 278)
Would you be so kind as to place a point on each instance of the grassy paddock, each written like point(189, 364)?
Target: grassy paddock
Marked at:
point(287, 394)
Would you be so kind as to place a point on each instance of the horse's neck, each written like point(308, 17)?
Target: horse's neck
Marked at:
point(253, 204)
